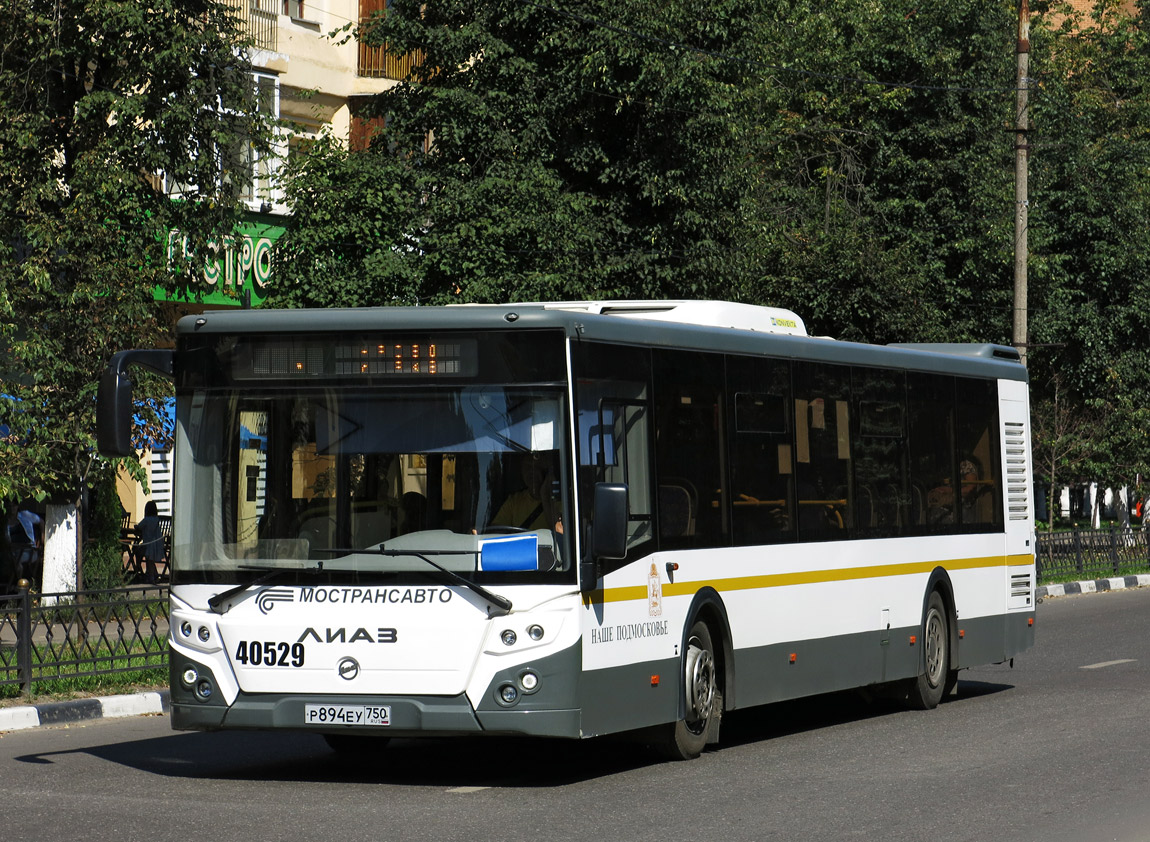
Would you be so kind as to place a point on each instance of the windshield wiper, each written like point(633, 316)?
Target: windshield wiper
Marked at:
point(500, 602)
point(216, 603)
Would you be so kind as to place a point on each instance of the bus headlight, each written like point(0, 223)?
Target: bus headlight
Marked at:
point(508, 637)
point(508, 695)
point(189, 677)
point(204, 690)
point(529, 681)
point(535, 632)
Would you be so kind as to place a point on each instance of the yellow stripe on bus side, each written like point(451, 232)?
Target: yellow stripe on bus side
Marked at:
point(811, 577)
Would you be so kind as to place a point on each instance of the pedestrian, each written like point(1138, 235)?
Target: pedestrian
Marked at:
point(22, 525)
point(151, 541)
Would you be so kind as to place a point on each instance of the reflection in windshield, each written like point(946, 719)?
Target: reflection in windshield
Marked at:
point(288, 479)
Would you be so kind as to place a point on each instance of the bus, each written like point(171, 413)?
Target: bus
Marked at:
point(574, 519)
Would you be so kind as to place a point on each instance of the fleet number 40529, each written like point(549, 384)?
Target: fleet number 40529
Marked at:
point(267, 653)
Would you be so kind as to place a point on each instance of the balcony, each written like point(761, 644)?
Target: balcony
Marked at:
point(374, 61)
point(258, 21)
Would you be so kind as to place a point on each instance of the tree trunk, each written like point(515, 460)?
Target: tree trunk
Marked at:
point(61, 527)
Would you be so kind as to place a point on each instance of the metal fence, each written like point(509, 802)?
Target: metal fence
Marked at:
point(1092, 553)
point(71, 635)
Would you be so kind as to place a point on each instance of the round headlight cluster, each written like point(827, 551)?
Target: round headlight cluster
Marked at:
point(509, 637)
point(200, 686)
point(204, 689)
point(525, 684)
point(204, 633)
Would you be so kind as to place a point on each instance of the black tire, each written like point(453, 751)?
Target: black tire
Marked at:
point(686, 739)
point(356, 746)
point(927, 690)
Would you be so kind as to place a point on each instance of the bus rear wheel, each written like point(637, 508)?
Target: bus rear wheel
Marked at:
point(927, 690)
point(686, 739)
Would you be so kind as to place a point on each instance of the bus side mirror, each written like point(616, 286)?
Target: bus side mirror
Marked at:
point(114, 413)
point(114, 399)
point(609, 531)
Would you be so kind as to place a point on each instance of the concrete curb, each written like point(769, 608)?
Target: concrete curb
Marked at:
point(1116, 584)
point(79, 710)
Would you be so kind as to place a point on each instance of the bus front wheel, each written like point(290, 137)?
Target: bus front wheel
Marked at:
point(927, 690)
point(686, 739)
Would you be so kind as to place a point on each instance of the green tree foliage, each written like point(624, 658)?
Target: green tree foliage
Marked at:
point(1090, 270)
point(570, 159)
point(886, 207)
point(667, 150)
point(97, 98)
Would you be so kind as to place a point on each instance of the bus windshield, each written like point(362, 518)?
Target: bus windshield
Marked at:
point(356, 482)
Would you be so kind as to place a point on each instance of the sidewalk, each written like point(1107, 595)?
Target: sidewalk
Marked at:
point(1093, 586)
point(79, 710)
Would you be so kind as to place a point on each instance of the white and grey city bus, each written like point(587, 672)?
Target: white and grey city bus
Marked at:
point(575, 519)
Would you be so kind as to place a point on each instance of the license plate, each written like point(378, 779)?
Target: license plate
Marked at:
point(347, 715)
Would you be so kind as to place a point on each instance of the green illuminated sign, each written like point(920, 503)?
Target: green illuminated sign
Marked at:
point(240, 263)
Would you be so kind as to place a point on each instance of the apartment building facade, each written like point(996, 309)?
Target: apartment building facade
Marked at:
point(314, 74)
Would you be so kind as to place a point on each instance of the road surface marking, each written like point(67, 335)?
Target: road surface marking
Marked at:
point(1108, 664)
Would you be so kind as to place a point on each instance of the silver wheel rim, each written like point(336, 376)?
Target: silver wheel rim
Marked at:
point(700, 681)
point(935, 643)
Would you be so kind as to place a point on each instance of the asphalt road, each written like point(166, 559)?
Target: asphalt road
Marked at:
point(1056, 748)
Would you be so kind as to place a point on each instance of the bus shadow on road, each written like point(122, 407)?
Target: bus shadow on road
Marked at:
point(767, 722)
point(504, 762)
point(472, 763)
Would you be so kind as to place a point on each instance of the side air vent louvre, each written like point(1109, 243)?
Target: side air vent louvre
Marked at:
point(1021, 591)
point(1017, 471)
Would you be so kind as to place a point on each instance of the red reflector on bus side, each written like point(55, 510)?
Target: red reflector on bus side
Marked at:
point(1030, 621)
point(961, 633)
point(913, 639)
point(794, 657)
point(654, 681)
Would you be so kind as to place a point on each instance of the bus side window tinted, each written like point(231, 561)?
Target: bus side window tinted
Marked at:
point(882, 500)
point(823, 451)
point(689, 448)
point(931, 439)
point(762, 455)
point(977, 454)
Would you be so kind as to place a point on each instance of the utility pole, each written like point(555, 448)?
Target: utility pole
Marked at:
point(1021, 167)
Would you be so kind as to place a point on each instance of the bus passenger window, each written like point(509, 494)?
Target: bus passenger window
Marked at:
point(762, 462)
point(689, 448)
point(977, 441)
point(822, 451)
point(930, 416)
point(881, 497)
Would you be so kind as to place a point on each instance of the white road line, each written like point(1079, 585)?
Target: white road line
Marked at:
point(469, 789)
point(1108, 664)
